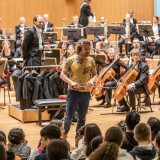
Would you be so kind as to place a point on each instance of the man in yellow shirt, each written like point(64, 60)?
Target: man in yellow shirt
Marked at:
point(82, 71)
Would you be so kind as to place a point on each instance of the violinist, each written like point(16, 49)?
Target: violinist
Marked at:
point(116, 67)
point(139, 85)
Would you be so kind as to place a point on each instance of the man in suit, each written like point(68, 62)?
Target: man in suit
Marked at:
point(32, 44)
point(132, 20)
point(74, 24)
point(131, 32)
point(47, 26)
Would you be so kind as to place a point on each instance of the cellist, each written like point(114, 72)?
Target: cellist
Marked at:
point(110, 57)
point(139, 85)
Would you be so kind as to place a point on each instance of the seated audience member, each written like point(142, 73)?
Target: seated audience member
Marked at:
point(145, 149)
point(115, 135)
point(132, 119)
point(157, 145)
point(154, 124)
point(106, 151)
point(17, 143)
point(95, 142)
point(48, 133)
point(57, 149)
point(10, 154)
point(91, 130)
point(3, 155)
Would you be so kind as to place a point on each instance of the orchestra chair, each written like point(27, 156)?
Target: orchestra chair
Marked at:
point(141, 99)
point(5, 88)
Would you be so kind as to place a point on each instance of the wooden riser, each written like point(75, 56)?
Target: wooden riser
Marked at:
point(28, 115)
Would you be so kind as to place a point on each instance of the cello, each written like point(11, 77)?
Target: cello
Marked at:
point(153, 80)
point(106, 74)
point(128, 78)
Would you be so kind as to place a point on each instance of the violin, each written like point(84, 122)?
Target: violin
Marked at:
point(106, 74)
point(153, 80)
point(129, 77)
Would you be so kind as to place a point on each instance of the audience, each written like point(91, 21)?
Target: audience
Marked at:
point(106, 151)
point(154, 124)
point(57, 149)
point(95, 142)
point(48, 133)
point(3, 155)
point(115, 135)
point(17, 143)
point(157, 144)
point(91, 130)
point(132, 119)
point(145, 149)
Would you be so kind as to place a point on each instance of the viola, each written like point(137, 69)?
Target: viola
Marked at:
point(129, 77)
point(106, 74)
point(153, 80)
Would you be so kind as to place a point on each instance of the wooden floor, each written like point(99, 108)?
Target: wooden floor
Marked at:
point(94, 116)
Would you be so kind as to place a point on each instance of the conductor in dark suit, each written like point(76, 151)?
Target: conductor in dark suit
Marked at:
point(47, 26)
point(32, 44)
point(85, 12)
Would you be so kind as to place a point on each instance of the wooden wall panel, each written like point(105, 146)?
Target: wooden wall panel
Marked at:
point(113, 10)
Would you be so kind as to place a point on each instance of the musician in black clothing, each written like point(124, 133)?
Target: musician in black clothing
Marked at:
point(139, 85)
point(116, 67)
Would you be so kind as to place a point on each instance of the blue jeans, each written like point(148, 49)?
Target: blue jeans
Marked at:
point(76, 101)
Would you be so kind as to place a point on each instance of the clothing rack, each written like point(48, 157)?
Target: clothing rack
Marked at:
point(46, 66)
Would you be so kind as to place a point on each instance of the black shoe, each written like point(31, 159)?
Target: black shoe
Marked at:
point(107, 105)
point(123, 109)
point(102, 103)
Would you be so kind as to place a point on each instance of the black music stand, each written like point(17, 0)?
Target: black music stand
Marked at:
point(145, 30)
point(50, 37)
point(73, 32)
point(98, 30)
point(99, 60)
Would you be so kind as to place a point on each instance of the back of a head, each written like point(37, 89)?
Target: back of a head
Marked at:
point(16, 136)
point(157, 139)
point(50, 132)
point(142, 132)
point(91, 130)
point(96, 141)
point(3, 155)
point(57, 122)
point(3, 134)
point(114, 135)
point(2, 139)
point(57, 149)
point(106, 151)
point(132, 119)
point(154, 124)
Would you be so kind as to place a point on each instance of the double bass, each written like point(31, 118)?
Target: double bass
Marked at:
point(153, 80)
point(127, 78)
point(106, 74)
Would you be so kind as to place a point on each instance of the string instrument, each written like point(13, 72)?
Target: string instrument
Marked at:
point(153, 80)
point(106, 74)
point(127, 79)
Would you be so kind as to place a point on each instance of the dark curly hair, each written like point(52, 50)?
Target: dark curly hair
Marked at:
point(16, 136)
point(132, 119)
point(154, 124)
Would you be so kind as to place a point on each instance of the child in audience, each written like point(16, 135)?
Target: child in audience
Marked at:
point(95, 142)
point(154, 124)
point(3, 155)
point(145, 149)
point(106, 151)
point(17, 143)
point(157, 145)
point(115, 135)
point(91, 130)
point(132, 119)
point(48, 133)
point(57, 149)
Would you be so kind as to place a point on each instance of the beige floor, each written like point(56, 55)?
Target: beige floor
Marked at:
point(94, 116)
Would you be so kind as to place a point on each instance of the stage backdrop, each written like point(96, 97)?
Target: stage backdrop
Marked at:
point(112, 10)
